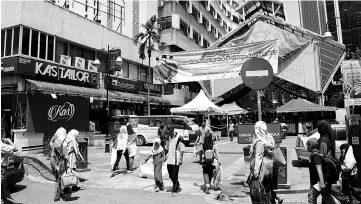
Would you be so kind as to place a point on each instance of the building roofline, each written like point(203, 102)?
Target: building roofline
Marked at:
point(278, 23)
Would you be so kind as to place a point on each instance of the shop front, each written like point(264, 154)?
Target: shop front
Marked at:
point(40, 96)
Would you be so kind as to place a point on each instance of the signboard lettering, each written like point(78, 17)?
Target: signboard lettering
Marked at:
point(8, 69)
point(355, 141)
point(49, 70)
point(72, 74)
point(64, 112)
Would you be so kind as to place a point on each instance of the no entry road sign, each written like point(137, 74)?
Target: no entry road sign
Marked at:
point(257, 73)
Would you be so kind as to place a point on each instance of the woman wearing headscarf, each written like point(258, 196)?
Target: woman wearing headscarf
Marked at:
point(58, 160)
point(327, 147)
point(261, 168)
point(73, 152)
point(120, 144)
point(209, 165)
point(131, 149)
point(158, 155)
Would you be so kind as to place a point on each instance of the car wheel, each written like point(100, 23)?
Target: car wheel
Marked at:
point(140, 140)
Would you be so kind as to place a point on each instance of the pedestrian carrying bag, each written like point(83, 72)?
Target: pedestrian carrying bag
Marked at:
point(217, 175)
point(113, 157)
point(147, 170)
point(257, 192)
point(331, 168)
point(69, 179)
point(208, 156)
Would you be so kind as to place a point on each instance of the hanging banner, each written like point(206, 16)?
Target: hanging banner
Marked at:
point(351, 71)
point(217, 63)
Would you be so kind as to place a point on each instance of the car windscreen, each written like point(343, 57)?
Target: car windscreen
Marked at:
point(189, 122)
point(311, 133)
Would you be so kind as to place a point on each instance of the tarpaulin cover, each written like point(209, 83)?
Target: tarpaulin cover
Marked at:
point(200, 104)
point(302, 105)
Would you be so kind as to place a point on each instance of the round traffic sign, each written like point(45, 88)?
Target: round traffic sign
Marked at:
point(257, 73)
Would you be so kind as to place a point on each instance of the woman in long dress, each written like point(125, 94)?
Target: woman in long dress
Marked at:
point(261, 168)
point(58, 160)
point(209, 166)
point(73, 151)
point(158, 155)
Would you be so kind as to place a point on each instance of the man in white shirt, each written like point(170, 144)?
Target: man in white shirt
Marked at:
point(174, 157)
point(7, 148)
point(203, 130)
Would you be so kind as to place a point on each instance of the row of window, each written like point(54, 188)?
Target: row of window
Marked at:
point(34, 43)
point(185, 29)
point(196, 14)
point(234, 18)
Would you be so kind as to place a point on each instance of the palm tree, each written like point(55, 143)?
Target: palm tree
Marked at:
point(147, 41)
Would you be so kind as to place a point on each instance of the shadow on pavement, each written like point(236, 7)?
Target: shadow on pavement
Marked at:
point(299, 163)
point(16, 188)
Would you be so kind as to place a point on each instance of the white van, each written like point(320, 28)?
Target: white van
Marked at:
point(146, 127)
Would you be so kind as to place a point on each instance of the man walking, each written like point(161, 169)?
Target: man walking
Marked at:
point(203, 130)
point(174, 157)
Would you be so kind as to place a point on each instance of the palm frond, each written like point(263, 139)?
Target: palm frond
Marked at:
point(138, 37)
point(141, 50)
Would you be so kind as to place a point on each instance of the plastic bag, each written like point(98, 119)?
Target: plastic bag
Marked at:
point(147, 170)
point(350, 160)
point(217, 175)
point(113, 156)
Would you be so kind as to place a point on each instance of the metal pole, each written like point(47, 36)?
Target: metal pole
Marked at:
point(149, 55)
point(107, 145)
point(259, 105)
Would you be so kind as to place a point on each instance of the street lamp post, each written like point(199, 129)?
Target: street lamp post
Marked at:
point(107, 54)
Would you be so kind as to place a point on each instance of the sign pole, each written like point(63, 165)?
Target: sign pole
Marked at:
point(259, 105)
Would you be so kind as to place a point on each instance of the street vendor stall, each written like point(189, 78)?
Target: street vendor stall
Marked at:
point(232, 109)
point(303, 111)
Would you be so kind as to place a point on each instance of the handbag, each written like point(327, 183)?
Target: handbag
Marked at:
point(69, 179)
point(257, 192)
point(113, 157)
point(278, 158)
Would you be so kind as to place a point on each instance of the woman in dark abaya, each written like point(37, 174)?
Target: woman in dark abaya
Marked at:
point(209, 166)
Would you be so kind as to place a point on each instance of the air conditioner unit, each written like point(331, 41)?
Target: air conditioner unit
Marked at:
point(92, 67)
point(65, 60)
point(160, 3)
point(79, 63)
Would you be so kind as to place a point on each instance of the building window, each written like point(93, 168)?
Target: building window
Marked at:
point(50, 48)
point(26, 40)
point(219, 18)
point(205, 22)
point(235, 4)
point(196, 37)
point(224, 9)
point(9, 35)
point(165, 22)
point(184, 4)
point(133, 71)
point(16, 40)
point(225, 26)
point(42, 49)
point(143, 74)
point(195, 13)
point(61, 49)
point(184, 27)
point(2, 43)
point(212, 11)
point(213, 30)
point(203, 3)
point(125, 67)
point(235, 19)
point(205, 43)
point(34, 43)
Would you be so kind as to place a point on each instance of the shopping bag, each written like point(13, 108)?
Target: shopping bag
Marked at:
point(278, 157)
point(113, 156)
point(217, 176)
point(198, 148)
point(69, 179)
point(350, 160)
point(147, 170)
point(257, 192)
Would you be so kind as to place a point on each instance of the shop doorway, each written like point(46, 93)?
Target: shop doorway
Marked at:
point(6, 121)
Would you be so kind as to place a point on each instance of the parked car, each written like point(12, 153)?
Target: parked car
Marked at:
point(15, 171)
point(340, 138)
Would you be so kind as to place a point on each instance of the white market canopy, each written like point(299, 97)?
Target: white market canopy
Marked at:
point(199, 105)
point(233, 109)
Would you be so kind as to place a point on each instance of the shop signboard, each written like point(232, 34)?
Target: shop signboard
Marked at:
point(48, 114)
point(351, 71)
point(8, 66)
point(155, 89)
point(121, 84)
point(51, 71)
point(246, 132)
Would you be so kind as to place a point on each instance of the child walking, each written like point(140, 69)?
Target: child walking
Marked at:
point(318, 185)
point(158, 158)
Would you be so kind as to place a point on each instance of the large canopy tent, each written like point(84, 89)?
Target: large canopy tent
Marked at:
point(233, 109)
point(306, 61)
point(199, 105)
point(302, 105)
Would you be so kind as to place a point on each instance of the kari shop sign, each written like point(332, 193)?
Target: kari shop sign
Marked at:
point(155, 89)
point(48, 114)
point(51, 71)
point(246, 132)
